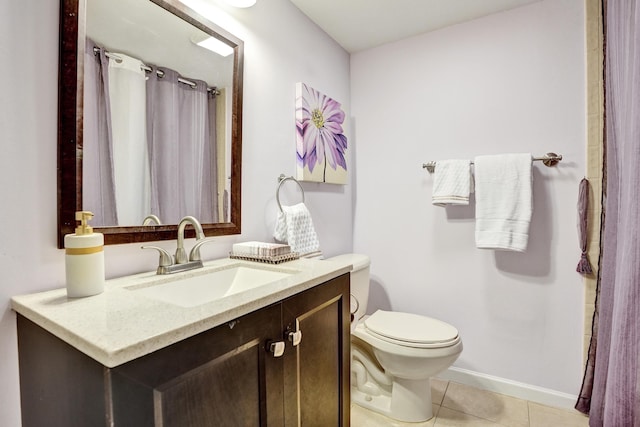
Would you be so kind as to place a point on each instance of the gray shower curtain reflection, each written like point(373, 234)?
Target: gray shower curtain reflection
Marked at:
point(180, 139)
point(97, 163)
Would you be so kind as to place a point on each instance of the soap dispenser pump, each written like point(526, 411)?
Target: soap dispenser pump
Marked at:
point(84, 259)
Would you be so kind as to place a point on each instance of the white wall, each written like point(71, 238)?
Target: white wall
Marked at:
point(281, 48)
point(510, 82)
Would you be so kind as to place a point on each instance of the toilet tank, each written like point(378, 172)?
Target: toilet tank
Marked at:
point(359, 281)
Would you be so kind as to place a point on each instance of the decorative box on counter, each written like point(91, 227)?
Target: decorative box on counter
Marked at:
point(272, 253)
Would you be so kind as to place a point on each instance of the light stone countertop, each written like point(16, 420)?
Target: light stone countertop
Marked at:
point(120, 324)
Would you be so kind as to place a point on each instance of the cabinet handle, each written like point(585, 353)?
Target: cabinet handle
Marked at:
point(295, 337)
point(276, 348)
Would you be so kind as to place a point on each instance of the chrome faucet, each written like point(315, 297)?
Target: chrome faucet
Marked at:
point(180, 262)
point(181, 255)
point(150, 219)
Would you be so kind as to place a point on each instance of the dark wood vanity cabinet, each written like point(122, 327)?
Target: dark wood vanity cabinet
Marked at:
point(226, 376)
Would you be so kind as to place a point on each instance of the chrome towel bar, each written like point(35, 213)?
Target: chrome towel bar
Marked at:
point(549, 159)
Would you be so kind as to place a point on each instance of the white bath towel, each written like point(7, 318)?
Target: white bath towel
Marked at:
point(451, 182)
point(503, 187)
point(294, 227)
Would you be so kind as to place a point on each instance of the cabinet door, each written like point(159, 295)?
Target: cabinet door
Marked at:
point(221, 377)
point(317, 370)
point(59, 386)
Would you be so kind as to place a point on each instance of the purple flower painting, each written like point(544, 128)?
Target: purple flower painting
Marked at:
point(321, 143)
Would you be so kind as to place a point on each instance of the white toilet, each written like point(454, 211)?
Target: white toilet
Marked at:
point(393, 354)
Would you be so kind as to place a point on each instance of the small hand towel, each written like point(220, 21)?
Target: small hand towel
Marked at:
point(451, 182)
point(503, 201)
point(294, 226)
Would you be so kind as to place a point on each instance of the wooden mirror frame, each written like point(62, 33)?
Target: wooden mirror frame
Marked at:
point(70, 122)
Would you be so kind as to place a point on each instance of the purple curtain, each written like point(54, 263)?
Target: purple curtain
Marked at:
point(615, 397)
point(180, 152)
point(98, 194)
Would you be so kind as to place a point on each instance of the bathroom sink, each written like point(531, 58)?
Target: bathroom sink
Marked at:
point(209, 285)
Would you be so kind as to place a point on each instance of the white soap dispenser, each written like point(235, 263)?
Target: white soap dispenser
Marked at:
point(84, 259)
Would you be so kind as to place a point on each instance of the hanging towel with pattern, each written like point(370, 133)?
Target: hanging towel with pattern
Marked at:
point(294, 227)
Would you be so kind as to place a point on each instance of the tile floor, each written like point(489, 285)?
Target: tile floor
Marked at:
point(461, 405)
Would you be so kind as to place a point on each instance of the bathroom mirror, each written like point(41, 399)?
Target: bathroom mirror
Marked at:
point(148, 30)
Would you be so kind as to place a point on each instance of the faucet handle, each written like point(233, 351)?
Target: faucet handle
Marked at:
point(165, 257)
point(194, 255)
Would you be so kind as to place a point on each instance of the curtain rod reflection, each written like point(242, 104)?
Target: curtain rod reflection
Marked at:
point(159, 72)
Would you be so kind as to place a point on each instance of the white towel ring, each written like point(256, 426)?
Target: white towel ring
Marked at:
point(282, 178)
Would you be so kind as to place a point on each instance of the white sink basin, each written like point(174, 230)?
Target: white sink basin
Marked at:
point(202, 286)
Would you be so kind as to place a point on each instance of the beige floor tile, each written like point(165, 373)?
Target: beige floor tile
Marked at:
point(545, 416)
point(471, 407)
point(450, 418)
point(361, 417)
point(501, 409)
point(438, 388)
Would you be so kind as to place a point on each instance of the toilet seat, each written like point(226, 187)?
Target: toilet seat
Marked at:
point(411, 330)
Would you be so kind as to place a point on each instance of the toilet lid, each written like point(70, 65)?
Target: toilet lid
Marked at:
point(411, 328)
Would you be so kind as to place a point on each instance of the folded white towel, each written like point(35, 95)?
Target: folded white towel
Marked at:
point(503, 201)
point(294, 226)
point(451, 182)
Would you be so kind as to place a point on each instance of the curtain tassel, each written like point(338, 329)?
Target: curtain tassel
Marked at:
point(584, 266)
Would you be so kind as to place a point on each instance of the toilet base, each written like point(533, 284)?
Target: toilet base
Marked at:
point(408, 401)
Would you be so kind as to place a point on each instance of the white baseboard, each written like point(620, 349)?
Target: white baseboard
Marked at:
point(530, 392)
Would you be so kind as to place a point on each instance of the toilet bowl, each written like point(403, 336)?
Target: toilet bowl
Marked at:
point(394, 354)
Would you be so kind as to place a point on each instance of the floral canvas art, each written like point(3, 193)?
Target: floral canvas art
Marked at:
point(321, 143)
